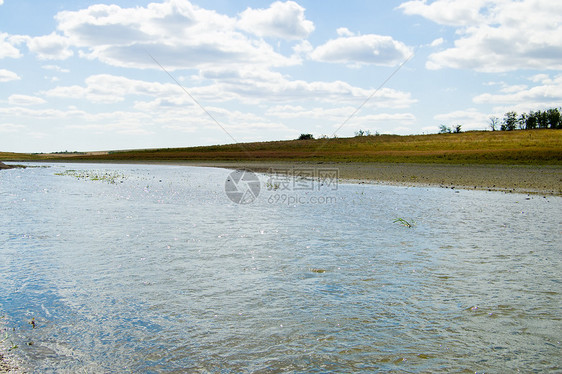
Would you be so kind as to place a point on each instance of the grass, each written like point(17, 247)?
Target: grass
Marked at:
point(107, 177)
point(403, 222)
point(538, 147)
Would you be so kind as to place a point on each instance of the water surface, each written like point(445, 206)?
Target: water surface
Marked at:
point(154, 269)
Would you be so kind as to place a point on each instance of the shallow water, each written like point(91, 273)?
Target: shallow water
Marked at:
point(154, 269)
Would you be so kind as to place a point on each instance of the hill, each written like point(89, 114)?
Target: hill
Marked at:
point(543, 146)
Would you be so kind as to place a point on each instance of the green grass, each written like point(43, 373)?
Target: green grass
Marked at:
point(108, 177)
point(475, 147)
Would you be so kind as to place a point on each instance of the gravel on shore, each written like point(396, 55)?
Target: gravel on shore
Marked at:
point(543, 179)
point(536, 179)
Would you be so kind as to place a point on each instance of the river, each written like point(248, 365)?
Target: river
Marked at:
point(154, 268)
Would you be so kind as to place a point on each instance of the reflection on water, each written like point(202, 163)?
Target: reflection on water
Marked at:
point(158, 270)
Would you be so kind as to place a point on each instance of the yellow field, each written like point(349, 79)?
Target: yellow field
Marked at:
point(542, 146)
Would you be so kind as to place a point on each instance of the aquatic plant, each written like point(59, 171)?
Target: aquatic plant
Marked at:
point(403, 222)
point(318, 271)
point(273, 186)
point(12, 345)
point(108, 177)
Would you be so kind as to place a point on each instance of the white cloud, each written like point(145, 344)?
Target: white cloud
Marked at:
point(548, 93)
point(297, 111)
point(469, 119)
point(255, 86)
point(7, 48)
point(178, 34)
point(384, 118)
point(283, 20)
point(338, 115)
point(106, 88)
point(55, 68)
point(344, 32)
point(362, 49)
point(542, 78)
point(496, 35)
point(10, 127)
point(50, 47)
point(437, 42)
point(7, 75)
point(25, 100)
point(448, 12)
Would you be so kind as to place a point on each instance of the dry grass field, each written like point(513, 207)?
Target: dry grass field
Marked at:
point(523, 147)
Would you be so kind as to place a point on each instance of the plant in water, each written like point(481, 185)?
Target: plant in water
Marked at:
point(273, 186)
point(12, 345)
point(111, 177)
point(403, 222)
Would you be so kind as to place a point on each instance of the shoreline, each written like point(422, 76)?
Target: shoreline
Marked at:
point(545, 179)
point(529, 179)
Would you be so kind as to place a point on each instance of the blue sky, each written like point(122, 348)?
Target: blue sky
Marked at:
point(79, 76)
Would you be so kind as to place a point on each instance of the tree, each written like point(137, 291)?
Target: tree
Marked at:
point(363, 133)
point(531, 121)
point(306, 137)
point(553, 118)
point(542, 119)
point(457, 128)
point(509, 121)
point(522, 121)
point(444, 129)
point(494, 122)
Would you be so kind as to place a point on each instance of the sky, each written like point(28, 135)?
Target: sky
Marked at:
point(81, 75)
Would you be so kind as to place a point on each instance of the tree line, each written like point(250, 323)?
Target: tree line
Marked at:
point(541, 119)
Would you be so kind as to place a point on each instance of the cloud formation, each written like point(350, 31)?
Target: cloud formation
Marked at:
point(7, 48)
point(49, 47)
point(180, 34)
point(496, 35)
point(548, 92)
point(362, 49)
point(283, 20)
point(7, 75)
point(25, 100)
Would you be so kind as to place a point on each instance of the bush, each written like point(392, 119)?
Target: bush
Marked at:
point(444, 130)
point(363, 133)
point(306, 137)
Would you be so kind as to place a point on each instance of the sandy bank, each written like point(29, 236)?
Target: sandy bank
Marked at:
point(523, 179)
point(540, 179)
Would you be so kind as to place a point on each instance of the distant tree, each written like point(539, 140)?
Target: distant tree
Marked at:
point(531, 121)
point(444, 129)
point(553, 118)
point(522, 121)
point(509, 122)
point(362, 133)
point(542, 119)
point(306, 137)
point(494, 122)
point(457, 128)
